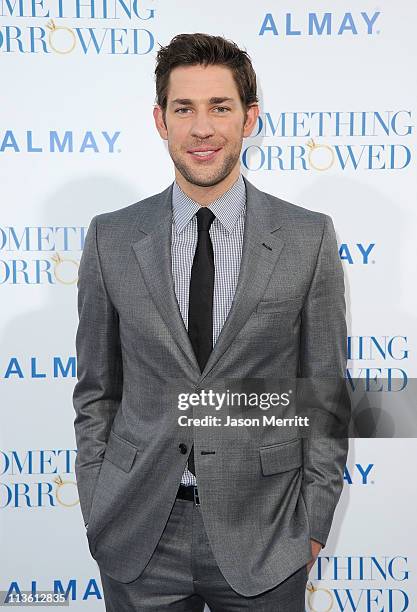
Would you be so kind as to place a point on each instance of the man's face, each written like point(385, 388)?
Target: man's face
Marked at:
point(205, 123)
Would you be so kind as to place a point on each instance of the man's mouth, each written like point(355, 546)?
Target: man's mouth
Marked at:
point(203, 154)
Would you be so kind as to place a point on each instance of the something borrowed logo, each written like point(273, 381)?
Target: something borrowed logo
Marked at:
point(382, 393)
point(330, 141)
point(376, 356)
point(40, 255)
point(63, 28)
point(359, 584)
point(37, 478)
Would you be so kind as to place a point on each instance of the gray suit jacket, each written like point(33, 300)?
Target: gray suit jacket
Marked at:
point(263, 494)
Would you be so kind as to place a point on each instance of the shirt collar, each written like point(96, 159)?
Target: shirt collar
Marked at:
point(227, 208)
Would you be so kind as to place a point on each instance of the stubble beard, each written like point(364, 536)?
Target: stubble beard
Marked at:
point(201, 179)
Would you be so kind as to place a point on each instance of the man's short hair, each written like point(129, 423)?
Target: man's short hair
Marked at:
point(198, 48)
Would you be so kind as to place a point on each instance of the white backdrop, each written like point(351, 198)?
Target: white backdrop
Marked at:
point(77, 139)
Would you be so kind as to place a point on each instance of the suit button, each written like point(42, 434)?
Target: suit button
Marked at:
point(183, 448)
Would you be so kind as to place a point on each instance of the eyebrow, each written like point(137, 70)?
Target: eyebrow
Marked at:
point(187, 101)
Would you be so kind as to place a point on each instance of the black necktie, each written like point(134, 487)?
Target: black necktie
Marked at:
point(200, 305)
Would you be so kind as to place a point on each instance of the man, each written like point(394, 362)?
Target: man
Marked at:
point(209, 280)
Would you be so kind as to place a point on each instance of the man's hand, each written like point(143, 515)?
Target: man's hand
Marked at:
point(315, 549)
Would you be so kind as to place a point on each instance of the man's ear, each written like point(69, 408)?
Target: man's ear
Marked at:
point(159, 122)
point(252, 114)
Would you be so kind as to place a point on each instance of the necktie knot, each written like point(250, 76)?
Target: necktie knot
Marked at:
point(205, 218)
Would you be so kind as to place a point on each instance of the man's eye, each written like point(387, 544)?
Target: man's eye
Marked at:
point(181, 109)
point(222, 108)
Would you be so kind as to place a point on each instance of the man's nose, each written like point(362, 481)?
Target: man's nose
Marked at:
point(202, 126)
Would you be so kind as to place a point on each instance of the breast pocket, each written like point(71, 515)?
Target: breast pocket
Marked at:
point(277, 306)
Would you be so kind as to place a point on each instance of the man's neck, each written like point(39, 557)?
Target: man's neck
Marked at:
point(206, 195)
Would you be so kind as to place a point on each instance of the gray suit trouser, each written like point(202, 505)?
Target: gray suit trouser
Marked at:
point(182, 575)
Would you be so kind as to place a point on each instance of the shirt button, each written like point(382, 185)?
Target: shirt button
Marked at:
point(183, 448)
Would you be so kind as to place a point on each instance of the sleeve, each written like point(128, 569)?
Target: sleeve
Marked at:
point(323, 355)
point(98, 391)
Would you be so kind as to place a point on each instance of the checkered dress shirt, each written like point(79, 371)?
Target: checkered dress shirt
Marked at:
point(226, 234)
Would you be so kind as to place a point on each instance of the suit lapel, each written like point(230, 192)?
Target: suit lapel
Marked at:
point(260, 252)
point(153, 252)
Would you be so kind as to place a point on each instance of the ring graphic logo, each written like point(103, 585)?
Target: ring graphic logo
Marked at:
point(369, 584)
point(64, 141)
point(52, 491)
point(320, 24)
point(50, 34)
point(321, 141)
point(40, 255)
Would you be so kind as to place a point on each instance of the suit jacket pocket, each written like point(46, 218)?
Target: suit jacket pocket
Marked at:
point(281, 457)
point(109, 492)
point(121, 452)
point(288, 304)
